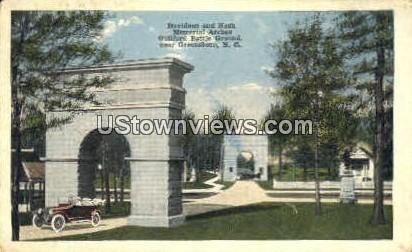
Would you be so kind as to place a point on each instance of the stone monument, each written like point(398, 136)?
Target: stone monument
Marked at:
point(192, 175)
point(347, 187)
point(146, 89)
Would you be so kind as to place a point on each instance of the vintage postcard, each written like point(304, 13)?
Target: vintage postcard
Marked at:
point(272, 125)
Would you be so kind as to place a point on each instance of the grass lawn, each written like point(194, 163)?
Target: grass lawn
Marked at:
point(199, 184)
point(119, 209)
point(265, 185)
point(98, 182)
point(226, 184)
point(297, 174)
point(262, 222)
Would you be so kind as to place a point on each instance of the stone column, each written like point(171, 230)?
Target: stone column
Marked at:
point(156, 161)
point(61, 166)
point(184, 173)
point(61, 180)
point(156, 193)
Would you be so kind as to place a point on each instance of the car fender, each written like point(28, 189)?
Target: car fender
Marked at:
point(97, 211)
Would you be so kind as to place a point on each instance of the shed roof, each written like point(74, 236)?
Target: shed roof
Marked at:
point(32, 171)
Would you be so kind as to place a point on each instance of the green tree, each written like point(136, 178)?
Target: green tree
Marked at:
point(111, 151)
point(277, 142)
point(42, 45)
point(205, 151)
point(223, 113)
point(310, 70)
point(368, 40)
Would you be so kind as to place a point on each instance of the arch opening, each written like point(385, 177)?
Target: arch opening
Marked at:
point(103, 171)
point(245, 163)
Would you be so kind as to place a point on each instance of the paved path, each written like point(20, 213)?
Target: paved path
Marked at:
point(31, 233)
point(249, 192)
point(212, 182)
point(241, 193)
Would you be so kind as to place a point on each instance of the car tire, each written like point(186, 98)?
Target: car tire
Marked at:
point(95, 220)
point(58, 223)
point(37, 221)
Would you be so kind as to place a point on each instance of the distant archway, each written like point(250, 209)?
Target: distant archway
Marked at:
point(255, 146)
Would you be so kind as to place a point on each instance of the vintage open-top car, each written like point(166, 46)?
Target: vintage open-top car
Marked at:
point(75, 209)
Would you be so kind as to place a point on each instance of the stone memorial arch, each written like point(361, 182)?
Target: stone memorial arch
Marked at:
point(235, 145)
point(148, 89)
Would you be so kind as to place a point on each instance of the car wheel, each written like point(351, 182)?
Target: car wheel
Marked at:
point(58, 222)
point(95, 219)
point(37, 221)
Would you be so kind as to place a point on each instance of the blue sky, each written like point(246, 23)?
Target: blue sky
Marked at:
point(233, 76)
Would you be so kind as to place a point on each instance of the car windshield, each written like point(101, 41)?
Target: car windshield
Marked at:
point(86, 202)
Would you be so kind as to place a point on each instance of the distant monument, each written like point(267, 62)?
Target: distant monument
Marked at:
point(192, 175)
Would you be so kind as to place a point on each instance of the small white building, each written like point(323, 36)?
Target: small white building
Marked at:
point(361, 164)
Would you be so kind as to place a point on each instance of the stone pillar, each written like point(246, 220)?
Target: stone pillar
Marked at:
point(184, 174)
point(61, 166)
point(371, 168)
point(156, 161)
point(61, 180)
point(156, 193)
point(192, 175)
point(347, 188)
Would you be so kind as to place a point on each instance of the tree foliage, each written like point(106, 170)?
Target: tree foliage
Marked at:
point(277, 143)
point(314, 83)
point(43, 45)
point(367, 39)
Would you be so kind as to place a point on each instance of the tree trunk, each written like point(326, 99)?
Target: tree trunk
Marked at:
point(107, 186)
point(115, 186)
point(122, 181)
point(25, 199)
point(102, 183)
point(329, 171)
point(106, 178)
point(16, 137)
point(305, 171)
point(30, 198)
point(15, 171)
point(378, 209)
point(280, 163)
point(15, 175)
point(200, 157)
